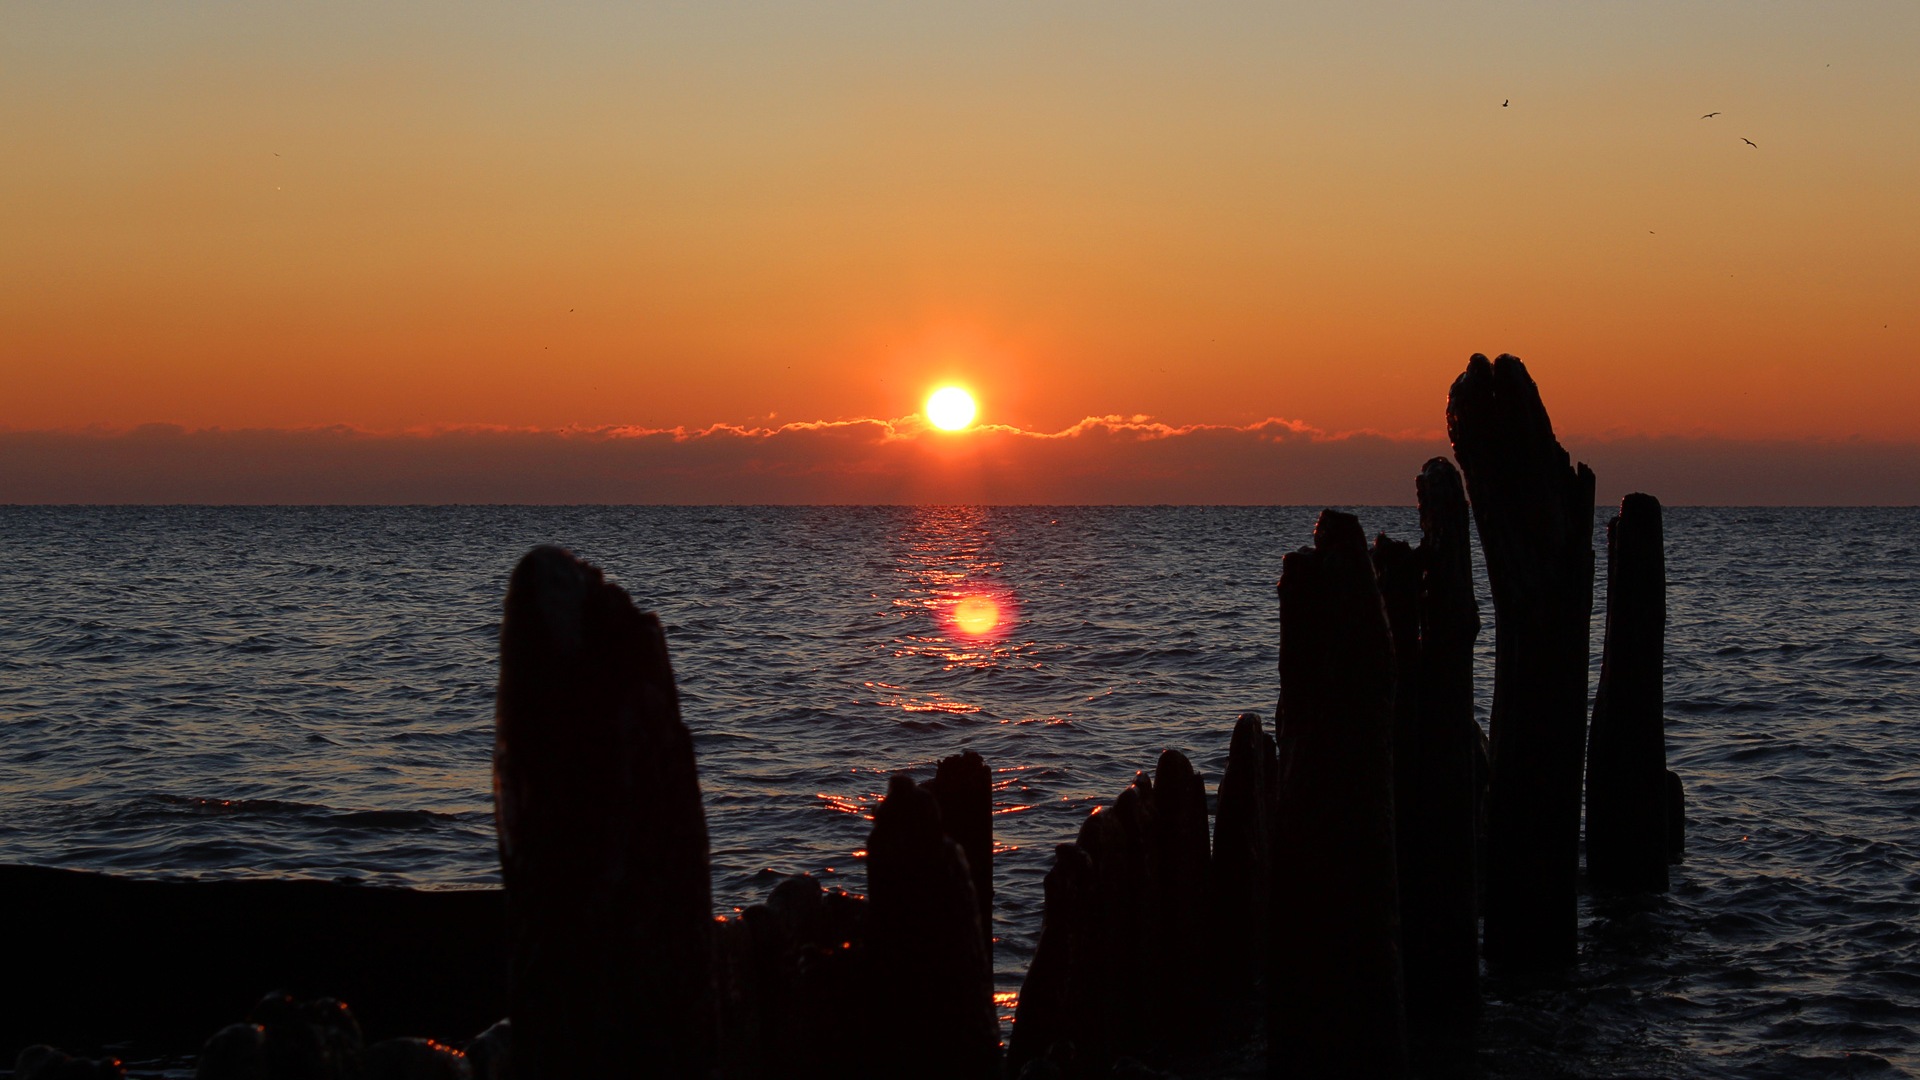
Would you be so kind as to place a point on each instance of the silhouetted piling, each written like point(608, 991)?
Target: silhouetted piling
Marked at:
point(1628, 840)
point(1241, 870)
point(933, 999)
point(1118, 838)
point(786, 973)
point(963, 786)
point(1058, 999)
point(1334, 979)
point(1439, 927)
point(603, 844)
point(1534, 509)
point(1180, 945)
point(1396, 570)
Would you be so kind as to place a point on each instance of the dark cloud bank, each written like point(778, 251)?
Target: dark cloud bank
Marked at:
point(1098, 461)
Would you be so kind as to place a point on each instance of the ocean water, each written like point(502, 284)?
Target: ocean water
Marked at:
point(307, 692)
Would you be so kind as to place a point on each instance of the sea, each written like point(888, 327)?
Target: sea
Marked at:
point(307, 692)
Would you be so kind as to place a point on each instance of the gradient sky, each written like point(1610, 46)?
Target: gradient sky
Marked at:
point(412, 216)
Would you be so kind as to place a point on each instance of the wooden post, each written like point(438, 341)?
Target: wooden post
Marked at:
point(1534, 509)
point(603, 844)
point(1058, 1003)
point(1180, 945)
point(933, 1001)
point(1440, 938)
point(963, 786)
point(1242, 857)
point(1627, 798)
point(1334, 980)
point(1118, 838)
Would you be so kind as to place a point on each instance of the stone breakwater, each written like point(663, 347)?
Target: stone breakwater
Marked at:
point(1353, 845)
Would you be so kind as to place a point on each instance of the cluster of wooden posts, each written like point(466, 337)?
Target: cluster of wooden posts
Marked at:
point(1355, 850)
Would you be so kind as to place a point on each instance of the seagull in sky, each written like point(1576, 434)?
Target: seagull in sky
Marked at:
point(1750, 142)
point(1710, 116)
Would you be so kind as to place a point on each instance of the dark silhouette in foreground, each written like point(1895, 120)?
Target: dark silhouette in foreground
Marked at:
point(1534, 509)
point(1629, 838)
point(603, 842)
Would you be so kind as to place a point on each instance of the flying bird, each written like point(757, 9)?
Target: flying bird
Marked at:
point(1710, 116)
point(1750, 142)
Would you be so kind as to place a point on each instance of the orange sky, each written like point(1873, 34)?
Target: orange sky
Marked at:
point(419, 215)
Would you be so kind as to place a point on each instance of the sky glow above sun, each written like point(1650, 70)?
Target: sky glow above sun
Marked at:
point(950, 408)
point(281, 227)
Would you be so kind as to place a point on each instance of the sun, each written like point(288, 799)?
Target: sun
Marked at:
point(950, 408)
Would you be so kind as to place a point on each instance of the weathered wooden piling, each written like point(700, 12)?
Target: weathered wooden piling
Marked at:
point(1118, 838)
point(1628, 841)
point(1396, 570)
point(786, 971)
point(1181, 942)
point(963, 786)
point(1241, 870)
point(1534, 509)
point(1058, 999)
point(1334, 979)
point(932, 1009)
point(1439, 926)
point(603, 844)
point(1676, 818)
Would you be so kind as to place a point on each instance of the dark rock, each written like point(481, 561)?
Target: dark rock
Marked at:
point(286, 1038)
point(1534, 509)
point(933, 1002)
point(603, 843)
point(235, 1052)
point(1334, 977)
point(309, 1040)
point(490, 1053)
point(1041, 1069)
point(1627, 833)
point(416, 1059)
point(42, 1062)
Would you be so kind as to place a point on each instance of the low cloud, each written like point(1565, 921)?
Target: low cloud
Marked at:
point(1107, 459)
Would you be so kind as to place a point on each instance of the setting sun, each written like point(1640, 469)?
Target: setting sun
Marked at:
point(950, 408)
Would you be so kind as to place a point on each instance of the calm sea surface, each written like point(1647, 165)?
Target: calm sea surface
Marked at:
point(307, 692)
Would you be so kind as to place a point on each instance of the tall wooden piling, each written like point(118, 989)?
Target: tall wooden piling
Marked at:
point(1239, 882)
point(1334, 978)
point(1181, 941)
point(1439, 926)
point(1059, 999)
point(963, 786)
point(932, 1006)
point(1534, 509)
point(1628, 835)
point(603, 844)
point(1119, 839)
